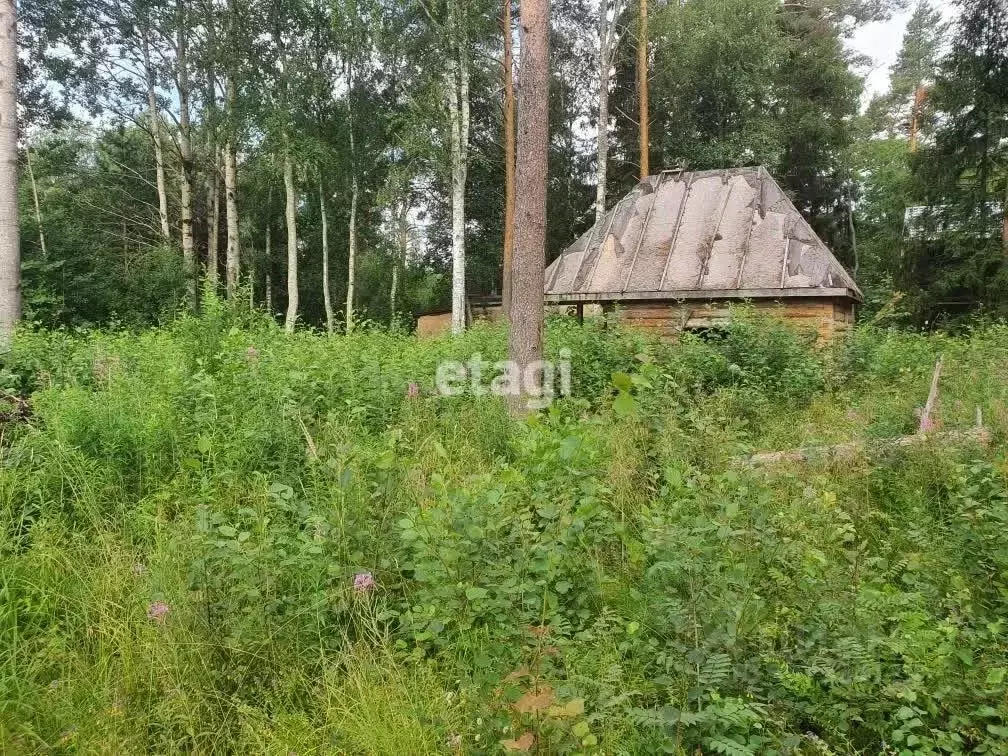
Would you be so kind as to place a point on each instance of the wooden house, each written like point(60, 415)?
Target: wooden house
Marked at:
point(682, 246)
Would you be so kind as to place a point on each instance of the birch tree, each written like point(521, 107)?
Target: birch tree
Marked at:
point(187, 175)
point(457, 91)
point(282, 120)
point(154, 115)
point(509, 158)
point(232, 128)
point(231, 195)
point(10, 250)
point(213, 177)
point(354, 197)
point(608, 39)
point(326, 294)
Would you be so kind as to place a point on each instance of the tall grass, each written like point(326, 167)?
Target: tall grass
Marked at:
point(184, 516)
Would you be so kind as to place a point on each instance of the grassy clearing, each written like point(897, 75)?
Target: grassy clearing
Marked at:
point(184, 517)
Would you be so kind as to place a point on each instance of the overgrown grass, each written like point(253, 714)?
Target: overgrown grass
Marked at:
point(184, 517)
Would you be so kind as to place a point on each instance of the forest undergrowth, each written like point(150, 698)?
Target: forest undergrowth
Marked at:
point(216, 537)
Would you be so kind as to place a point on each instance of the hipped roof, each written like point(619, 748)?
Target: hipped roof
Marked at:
point(699, 235)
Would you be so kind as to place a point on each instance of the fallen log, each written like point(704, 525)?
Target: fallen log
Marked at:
point(855, 449)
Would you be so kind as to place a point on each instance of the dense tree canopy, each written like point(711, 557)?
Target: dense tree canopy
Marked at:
point(128, 107)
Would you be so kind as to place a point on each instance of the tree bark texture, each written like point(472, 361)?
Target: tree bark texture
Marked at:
point(458, 110)
point(10, 240)
point(292, 241)
point(186, 155)
point(525, 342)
point(154, 113)
point(642, 91)
point(607, 44)
point(509, 160)
point(326, 294)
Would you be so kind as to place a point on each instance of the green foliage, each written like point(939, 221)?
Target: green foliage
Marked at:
point(754, 352)
point(956, 260)
point(105, 261)
point(218, 537)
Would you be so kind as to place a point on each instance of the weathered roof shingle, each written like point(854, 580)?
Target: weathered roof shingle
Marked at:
point(721, 233)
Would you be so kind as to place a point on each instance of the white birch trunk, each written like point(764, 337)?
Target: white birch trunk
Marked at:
point(602, 137)
point(185, 152)
point(394, 292)
point(213, 219)
point(38, 205)
point(231, 195)
point(326, 294)
point(155, 119)
point(352, 241)
point(458, 108)
point(292, 259)
point(214, 176)
point(268, 283)
point(352, 255)
point(10, 250)
point(400, 258)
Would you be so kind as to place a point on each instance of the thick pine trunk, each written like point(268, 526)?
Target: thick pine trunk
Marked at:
point(642, 92)
point(525, 342)
point(509, 159)
point(10, 250)
point(326, 294)
point(231, 194)
point(154, 114)
point(292, 241)
point(185, 153)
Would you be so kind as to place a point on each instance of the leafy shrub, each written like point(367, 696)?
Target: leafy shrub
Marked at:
point(217, 536)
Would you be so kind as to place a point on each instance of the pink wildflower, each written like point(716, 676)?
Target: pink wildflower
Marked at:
point(364, 582)
point(158, 611)
point(413, 391)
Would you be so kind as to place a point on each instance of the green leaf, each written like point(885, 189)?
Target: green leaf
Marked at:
point(624, 404)
point(622, 381)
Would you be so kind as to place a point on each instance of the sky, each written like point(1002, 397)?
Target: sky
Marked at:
point(881, 42)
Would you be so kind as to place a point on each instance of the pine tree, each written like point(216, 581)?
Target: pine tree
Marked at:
point(958, 261)
point(525, 340)
point(903, 108)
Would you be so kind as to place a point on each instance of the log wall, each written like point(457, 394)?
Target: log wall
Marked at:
point(827, 316)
